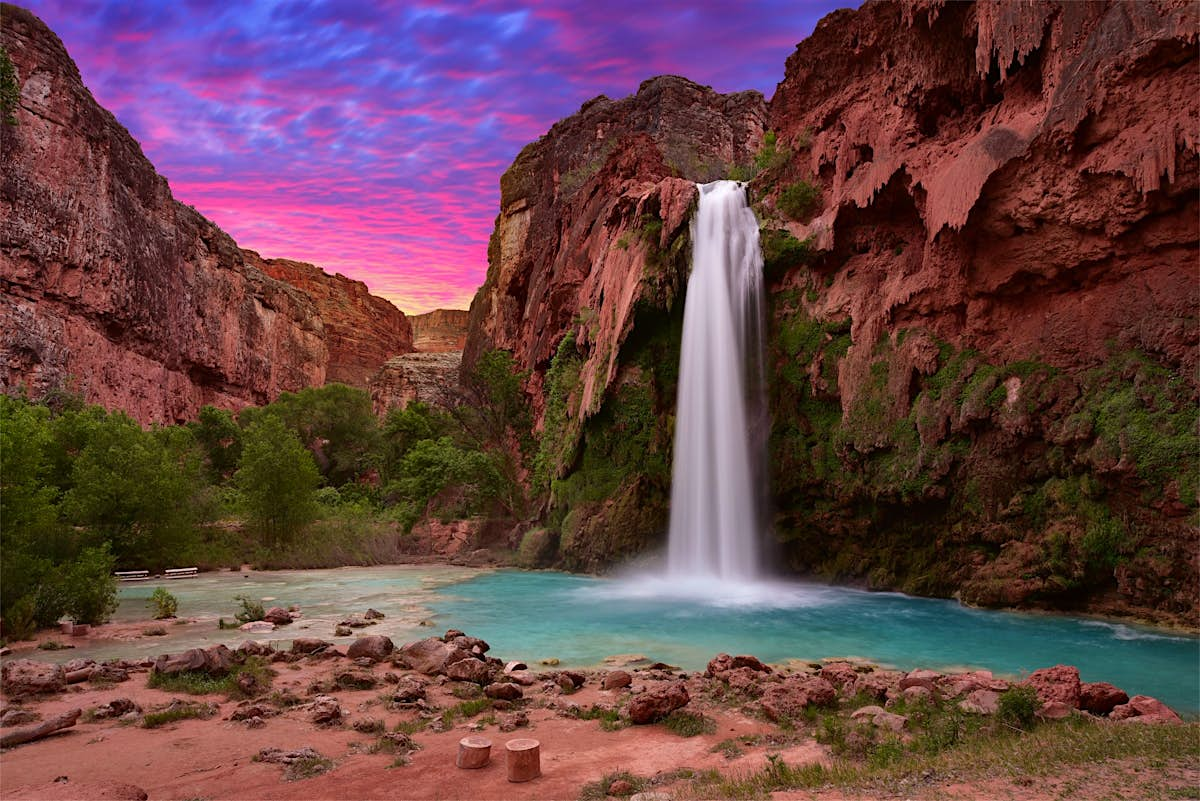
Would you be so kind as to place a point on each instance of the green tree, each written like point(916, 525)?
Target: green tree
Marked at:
point(404, 428)
point(336, 422)
point(10, 90)
point(278, 480)
point(89, 585)
point(139, 490)
point(221, 439)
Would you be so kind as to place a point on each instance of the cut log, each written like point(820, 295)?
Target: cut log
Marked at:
point(31, 733)
point(473, 752)
point(524, 760)
point(83, 674)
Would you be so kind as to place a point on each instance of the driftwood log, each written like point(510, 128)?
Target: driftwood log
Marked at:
point(524, 760)
point(43, 729)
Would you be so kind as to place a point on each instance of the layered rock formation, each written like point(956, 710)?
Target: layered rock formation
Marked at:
point(430, 378)
point(362, 331)
point(440, 331)
point(592, 237)
point(980, 225)
point(111, 288)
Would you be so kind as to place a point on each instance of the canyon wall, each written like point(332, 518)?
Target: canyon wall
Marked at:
point(980, 227)
point(440, 331)
point(362, 331)
point(585, 267)
point(112, 289)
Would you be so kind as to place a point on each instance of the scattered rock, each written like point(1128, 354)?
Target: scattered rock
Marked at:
point(408, 690)
point(278, 616)
point(324, 710)
point(881, 718)
point(280, 757)
point(354, 680)
point(1100, 698)
point(249, 711)
point(515, 666)
point(522, 677)
point(1058, 683)
point(840, 674)
point(14, 716)
point(1055, 710)
point(309, 645)
point(552, 661)
point(29, 677)
point(723, 663)
point(373, 646)
point(343, 631)
point(981, 702)
point(215, 660)
point(514, 721)
point(653, 705)
point(1144, 709)
point(471, 670)
point(789, 698)
point(257, 626)
point(369, 725)
point(108, 673)
point(355, 622)
point(876, 685)
point(504, 691)
point(373, 614)
point(429, 656)
point(255, 648)
point(616, 679)
point(620, 787)
point(920, 678)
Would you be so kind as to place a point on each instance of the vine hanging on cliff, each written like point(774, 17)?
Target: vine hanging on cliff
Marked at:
point(10, 91)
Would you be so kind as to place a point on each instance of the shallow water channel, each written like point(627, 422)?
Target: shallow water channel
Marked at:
point(580, 620)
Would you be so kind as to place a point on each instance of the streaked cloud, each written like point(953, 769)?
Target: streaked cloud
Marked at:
point(369, 137)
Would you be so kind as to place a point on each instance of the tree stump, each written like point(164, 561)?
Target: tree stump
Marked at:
point(524, 760)
point(473, 752)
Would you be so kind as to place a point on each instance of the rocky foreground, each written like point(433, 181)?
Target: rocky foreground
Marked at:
point(376, 721)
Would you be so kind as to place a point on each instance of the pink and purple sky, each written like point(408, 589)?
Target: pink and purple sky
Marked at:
point(369, 137)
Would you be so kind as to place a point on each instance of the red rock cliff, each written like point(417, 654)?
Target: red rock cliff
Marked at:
point(980, 224)
point(362, 331)
point(109, 285)
point(440, 331)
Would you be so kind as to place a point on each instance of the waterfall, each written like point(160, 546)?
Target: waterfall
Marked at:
point(718, 477)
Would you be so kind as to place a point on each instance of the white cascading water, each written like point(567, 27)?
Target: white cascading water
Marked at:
point(718, 476)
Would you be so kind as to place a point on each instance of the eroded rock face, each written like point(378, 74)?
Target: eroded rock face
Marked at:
point(582, 207)
point(440, 331)
point(112, 288)
point(362, 331)
point(430, 378)
point(982, 226)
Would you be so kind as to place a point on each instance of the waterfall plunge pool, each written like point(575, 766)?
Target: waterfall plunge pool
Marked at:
point(580, 620)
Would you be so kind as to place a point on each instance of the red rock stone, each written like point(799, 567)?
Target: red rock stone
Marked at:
point(789, 698)
point(1058, 683)
point(840, 674)
point(440, 331)
point(653, 705)
point(374, 646)
point(362, 331)
point(1100, 697)
point(29, 677)
point(616, 679)
point(1145, 709)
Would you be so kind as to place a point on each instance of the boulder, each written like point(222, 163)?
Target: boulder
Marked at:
point(215, 660)
point(745, 681)
point(373, 614)
point(108, 673)
point(840, 674)
point(981, 702)
point(408, 690)
point(471, 670)
point(355, 622)
point(255, 648)
point(429, 656)
point(789, 698)
point(309, 645)
point(257, 627)
point(723, 663)
point(504, 691)
point(881, 718)
point(1058, 683)
point(616, 679)
point(920, 678)
point(343, 631)
point(373, 646)
point(278, 615)
point(653, 705)
point(13, 716)
point(324, 710)
point(1144, 709)
point(875, 685)
point(1100, 697)
point(1055, 710)
point(513, 721)
point(354, 680)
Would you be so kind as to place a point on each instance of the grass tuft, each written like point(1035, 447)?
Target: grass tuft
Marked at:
point(689, 724)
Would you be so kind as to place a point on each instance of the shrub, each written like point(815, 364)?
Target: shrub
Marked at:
point(10, 91)
point(799, 200)
point(278, 479)
point(165, 604)
point(1018, 707)
point(251, 610)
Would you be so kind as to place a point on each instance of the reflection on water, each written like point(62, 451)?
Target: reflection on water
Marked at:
point(581, 620)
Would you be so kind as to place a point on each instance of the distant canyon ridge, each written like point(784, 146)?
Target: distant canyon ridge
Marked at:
point(981, 229)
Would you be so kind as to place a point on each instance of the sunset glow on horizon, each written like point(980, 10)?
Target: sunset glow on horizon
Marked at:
point(369, 138)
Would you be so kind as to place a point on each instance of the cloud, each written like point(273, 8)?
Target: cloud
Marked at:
point(369, 137)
